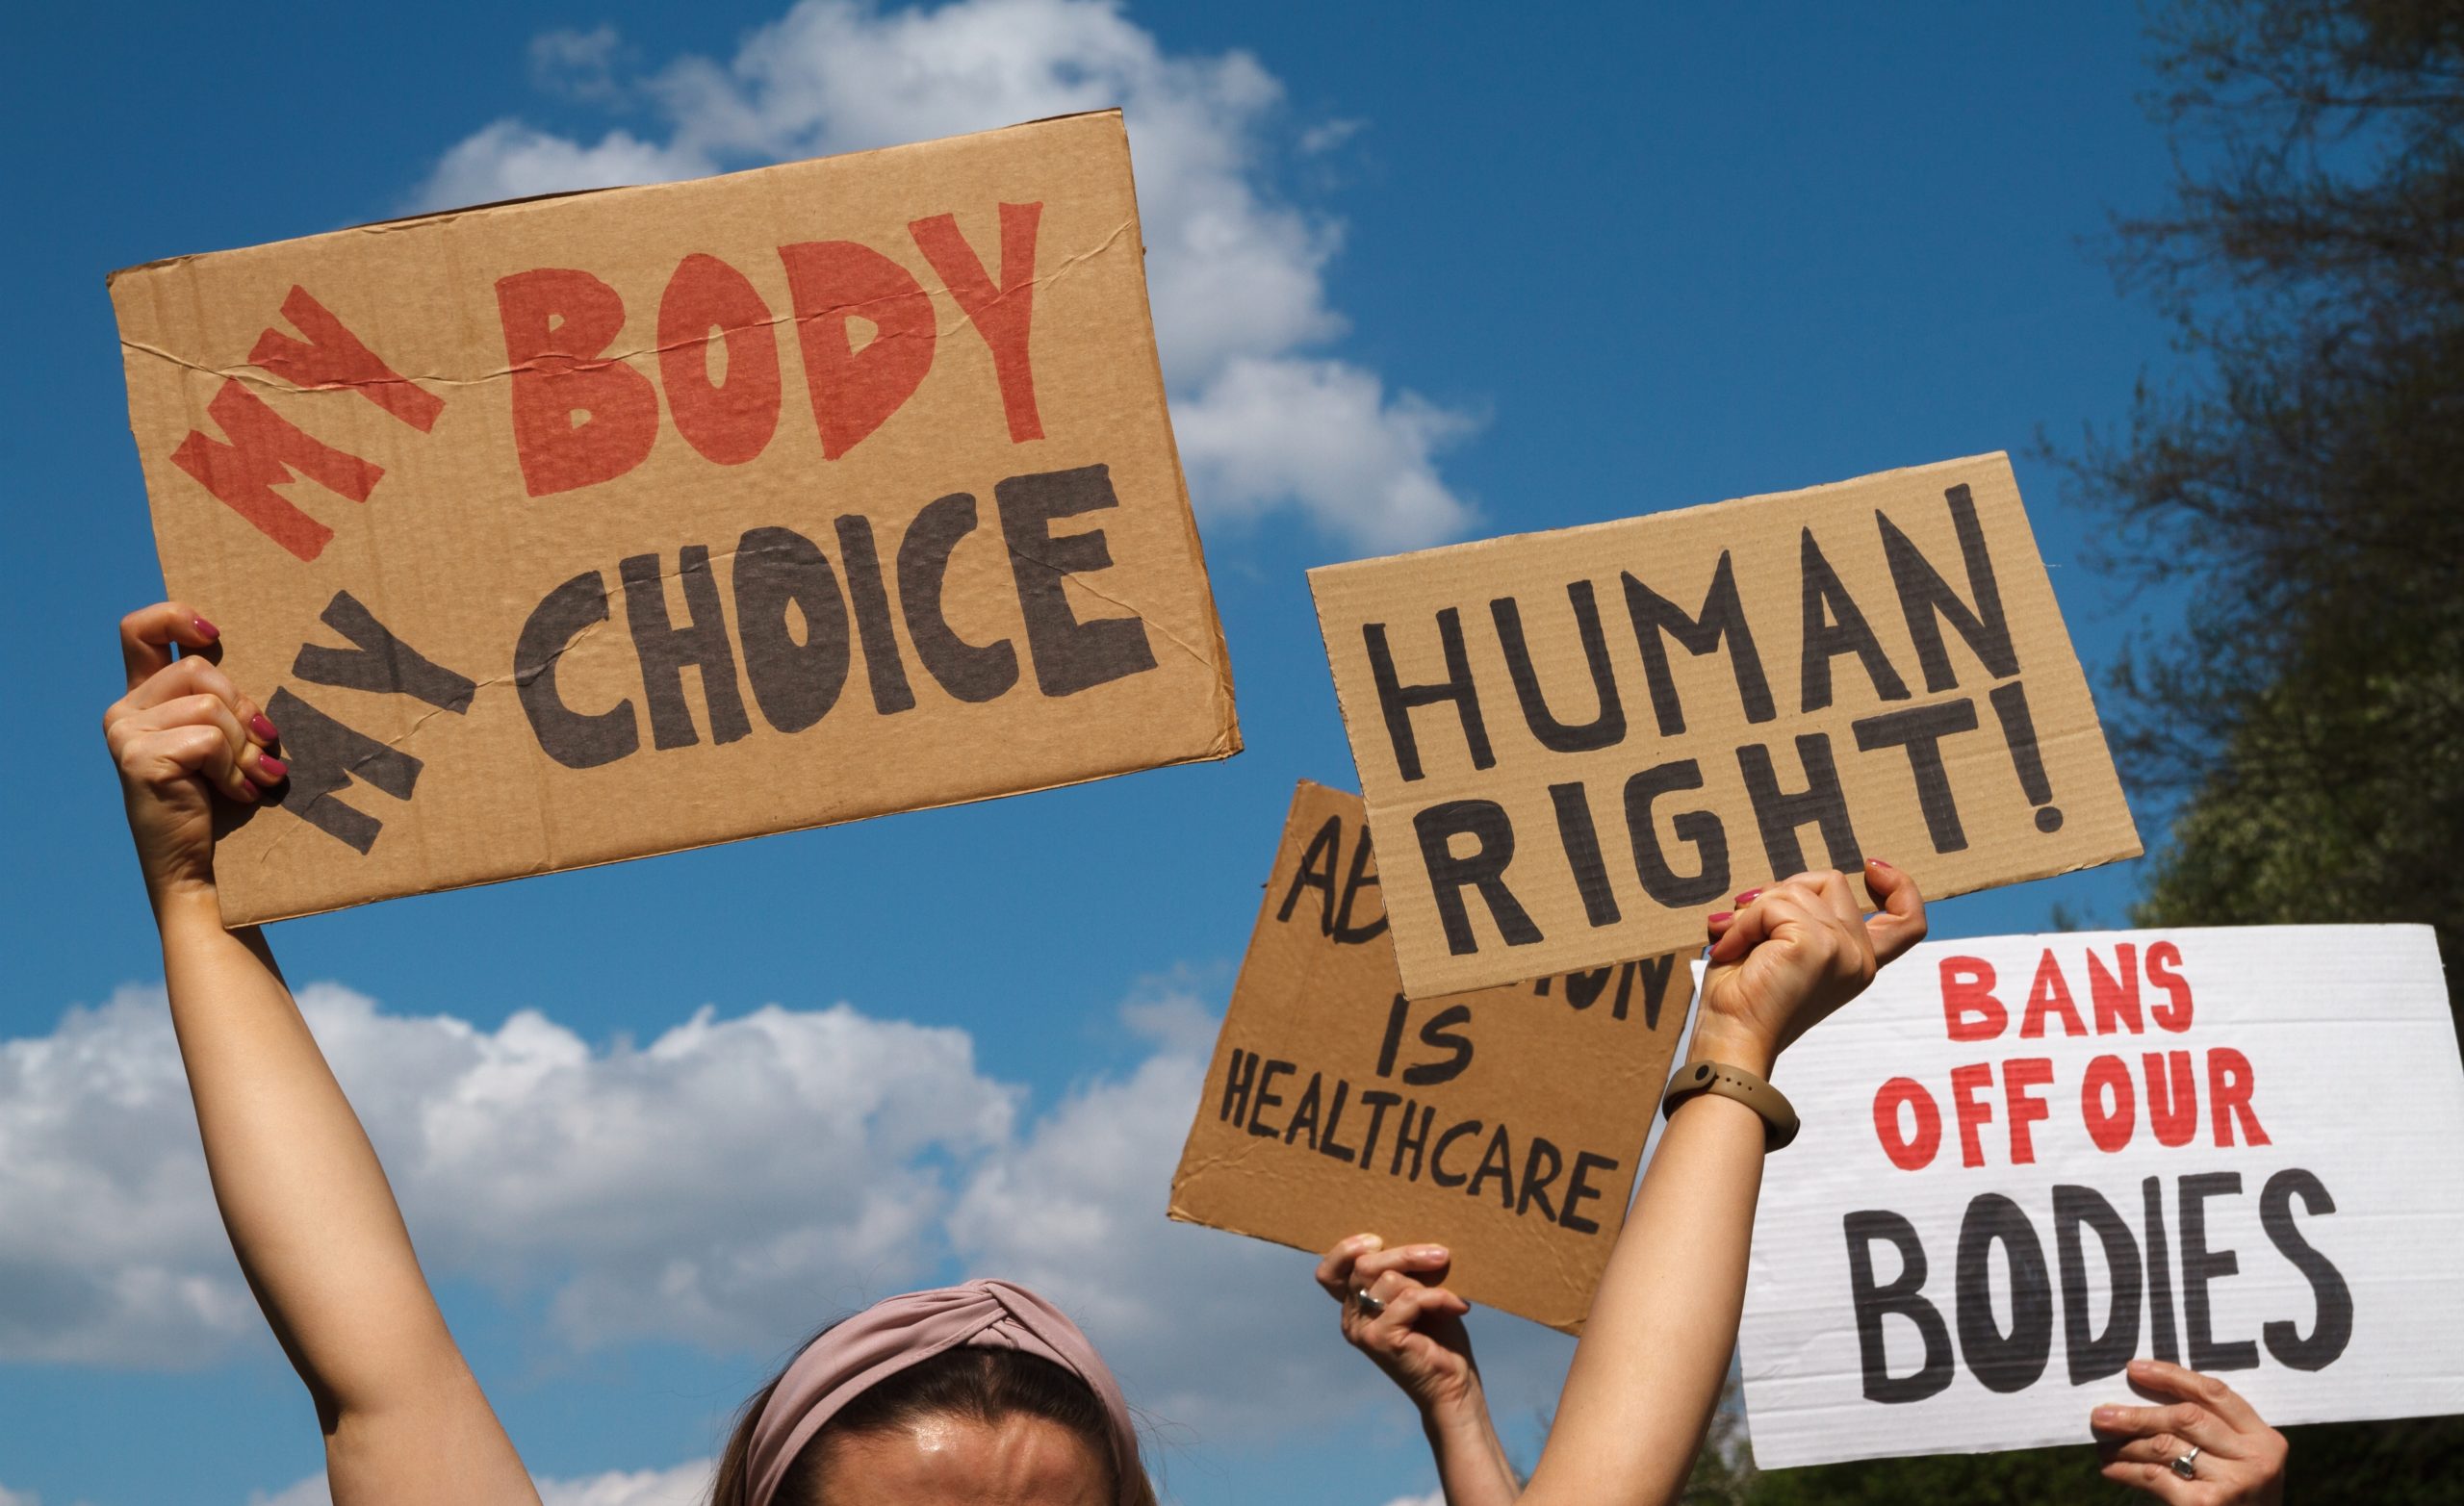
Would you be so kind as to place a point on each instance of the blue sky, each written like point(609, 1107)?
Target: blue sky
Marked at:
point(1540, 266)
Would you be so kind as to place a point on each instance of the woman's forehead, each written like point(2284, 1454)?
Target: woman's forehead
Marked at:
point(946, 1460)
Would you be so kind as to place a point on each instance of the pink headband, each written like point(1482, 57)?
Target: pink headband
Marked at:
point(852, 1357)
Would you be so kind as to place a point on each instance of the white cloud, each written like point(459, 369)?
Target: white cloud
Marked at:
point(310, 1491)
point(1432, 1498)
point(682, 1486)
point(1324, 432)
point(580, 65)
point(1237, 273)
point(110, 1250)
point(10, 1497)
point(1327, 135)
point(791, 1160)
point(728, 1185)
point(685, 1485)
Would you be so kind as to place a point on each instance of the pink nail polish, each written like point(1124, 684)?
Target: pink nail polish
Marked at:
point(1723, 915)
point(1876, 863)
point(262, 729)
point(247, 794)
point(207, 630)
point(274, 768)
point(1747, 898)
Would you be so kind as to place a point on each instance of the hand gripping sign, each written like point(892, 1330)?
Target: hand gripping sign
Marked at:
point(2027, 1160)
point(581, 528)
point(1508, 1124)
point(1577, 745)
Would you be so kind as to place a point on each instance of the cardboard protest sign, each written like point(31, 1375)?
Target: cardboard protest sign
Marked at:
point(581, 528)
point(1508, 1124)
point(1577, 745)
point(2028, 1159)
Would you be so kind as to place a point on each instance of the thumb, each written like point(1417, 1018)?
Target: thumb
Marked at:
point(1900, 924)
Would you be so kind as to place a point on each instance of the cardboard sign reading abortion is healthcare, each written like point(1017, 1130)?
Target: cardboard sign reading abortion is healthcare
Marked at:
point(588, 527)
point(1576, 745)
point(1506, 1125)
point(2026, 1160)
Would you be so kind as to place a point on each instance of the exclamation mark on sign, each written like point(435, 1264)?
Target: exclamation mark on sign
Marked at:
point(2020, 730)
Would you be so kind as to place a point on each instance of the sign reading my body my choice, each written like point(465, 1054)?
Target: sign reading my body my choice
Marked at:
point(1577, 745)
point(583, 528)
point(2028, 1159)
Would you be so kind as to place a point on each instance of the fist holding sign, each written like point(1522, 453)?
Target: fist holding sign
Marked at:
point(581, 528)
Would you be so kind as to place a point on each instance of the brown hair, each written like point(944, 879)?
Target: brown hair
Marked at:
point(981, 1385)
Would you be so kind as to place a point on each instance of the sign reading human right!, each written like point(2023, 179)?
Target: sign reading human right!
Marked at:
point(2029, 1159)
point(1577, 745)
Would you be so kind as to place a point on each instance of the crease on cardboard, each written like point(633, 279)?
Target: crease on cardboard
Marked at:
point(259, 378)
point(1070, 579)
point(439, 219)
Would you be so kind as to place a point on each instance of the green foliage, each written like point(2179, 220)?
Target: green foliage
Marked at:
point(2305, 488)
point(2308, 485)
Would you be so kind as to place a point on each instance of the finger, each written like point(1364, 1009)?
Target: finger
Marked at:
point(2183, 1419)
point(1440, 1301)
point(2158, 1448)
point(1828, 891)
point(213, 714)
point(147, 636)
point(160, 755)
point(1901, 922)
point(1407, 1261)
point(2155, 1479)
point(2172, 1380)
point(1772, 916)
point(1406, 1308)
point(197, 675)
point(1739, 932)
point(1334, 1273)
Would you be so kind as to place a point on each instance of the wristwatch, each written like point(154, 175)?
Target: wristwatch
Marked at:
point(1778, 1116)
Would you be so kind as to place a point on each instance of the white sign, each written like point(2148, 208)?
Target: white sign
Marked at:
point(2030, 1159)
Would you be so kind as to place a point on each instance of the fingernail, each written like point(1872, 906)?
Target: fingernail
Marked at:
point(262, 729)
point(1876, 863)
point(1747, 898)
point(245, 793)
point(274, 768)
point(207, 630)
point(1723, 916)
point(2105, 1415)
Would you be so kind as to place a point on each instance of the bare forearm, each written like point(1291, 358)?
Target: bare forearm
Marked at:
point(1656, 1347)
point(306, 1205)
point(1472, 1466)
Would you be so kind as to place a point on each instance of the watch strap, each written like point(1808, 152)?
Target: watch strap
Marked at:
point(1778, 1116)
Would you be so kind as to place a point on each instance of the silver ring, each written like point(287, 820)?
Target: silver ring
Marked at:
point(1368, 1305)
point(2187, 1465)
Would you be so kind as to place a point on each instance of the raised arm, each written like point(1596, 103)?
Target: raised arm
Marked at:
point(306, 1205)
point(1664, 1323)
point(1396, 1312)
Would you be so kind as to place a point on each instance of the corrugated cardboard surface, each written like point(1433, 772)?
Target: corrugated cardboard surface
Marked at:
point(2315, 1272)
point(1664, 769)
point(458, 543)
point(1517, 1093)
